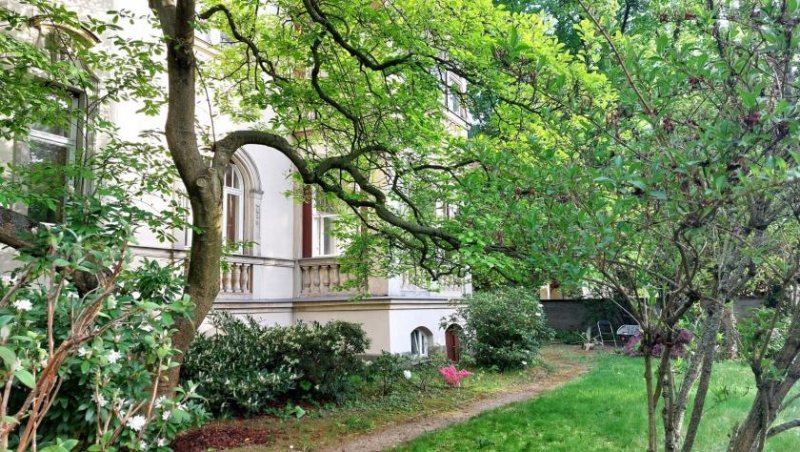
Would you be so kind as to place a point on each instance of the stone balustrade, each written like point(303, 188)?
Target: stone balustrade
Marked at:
point(321, 276)
point(236, 277)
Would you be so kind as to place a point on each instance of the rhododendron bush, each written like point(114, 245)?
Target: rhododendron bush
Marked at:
point(83, 369)
point(246, 368)
point(453, 376)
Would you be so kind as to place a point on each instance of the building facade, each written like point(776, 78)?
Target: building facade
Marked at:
point(290, 271)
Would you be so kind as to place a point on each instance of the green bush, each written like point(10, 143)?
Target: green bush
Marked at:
point(248, 368)
point(109, 345)
point(503, 329)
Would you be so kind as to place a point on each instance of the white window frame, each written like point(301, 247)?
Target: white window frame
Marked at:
point(451, 80)
point(239, 194)
point(419, 342)
point(318, 220)
point(68, 142)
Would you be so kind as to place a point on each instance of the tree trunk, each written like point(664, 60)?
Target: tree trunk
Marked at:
point(752, 434)
point(731, 336)
point(203, 182)
point(652, 433)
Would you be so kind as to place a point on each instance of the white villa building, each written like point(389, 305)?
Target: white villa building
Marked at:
point(291, 273)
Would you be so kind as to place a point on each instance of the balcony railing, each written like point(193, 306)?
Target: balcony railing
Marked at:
point(236, 277)
point(321, 276)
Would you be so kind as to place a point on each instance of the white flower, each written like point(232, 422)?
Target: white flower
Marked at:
point(83, 352)
point(101, 401)
point(23, 305)
point(136, 294)
point(159, 401)
point(114, 356)
point(34, 230)
point(182, 406)
point(7, 279)
point(407, 374)
point(162, 442)
point(142, 445)
point(166, 415)
point(137, 422)
point(524, 363)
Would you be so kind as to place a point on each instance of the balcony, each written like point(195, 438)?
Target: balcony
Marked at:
point(236, 277)
point(322, 276)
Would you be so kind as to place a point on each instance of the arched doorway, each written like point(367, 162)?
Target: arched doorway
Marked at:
point(452, 342)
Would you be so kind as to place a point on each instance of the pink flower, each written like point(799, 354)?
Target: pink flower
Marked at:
point(453, 376)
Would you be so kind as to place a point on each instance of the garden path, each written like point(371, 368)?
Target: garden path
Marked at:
point(396, 434)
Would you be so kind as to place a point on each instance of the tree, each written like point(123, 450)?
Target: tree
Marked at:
point(356, 93)
point(672, 187)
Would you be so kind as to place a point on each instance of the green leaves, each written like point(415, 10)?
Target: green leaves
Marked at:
point(26, 378)
point(8, 356)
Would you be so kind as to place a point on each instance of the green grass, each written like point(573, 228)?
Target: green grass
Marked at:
point(604, 410)
point(332, 426)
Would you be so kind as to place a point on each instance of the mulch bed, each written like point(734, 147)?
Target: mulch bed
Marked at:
point(220, 437)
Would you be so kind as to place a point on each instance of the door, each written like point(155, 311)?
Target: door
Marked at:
point(452, 342)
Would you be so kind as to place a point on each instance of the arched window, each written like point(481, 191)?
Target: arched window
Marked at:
point(233, 205)
point(420, 338)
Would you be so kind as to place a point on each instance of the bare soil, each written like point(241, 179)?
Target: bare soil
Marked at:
point(220, 437)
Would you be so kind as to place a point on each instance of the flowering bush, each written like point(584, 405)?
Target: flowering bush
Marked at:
point(453, 376)
point(246, 367)
point(679, 344)
point(82, 369)
point(503, 329)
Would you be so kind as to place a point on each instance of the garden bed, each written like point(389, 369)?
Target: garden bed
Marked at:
point(369, 421)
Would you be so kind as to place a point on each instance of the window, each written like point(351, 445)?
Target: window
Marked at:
point(324, 222)
point(233, 205)
point(51, 146)
point(445, 211)
point(455, 88)
point(419, 342)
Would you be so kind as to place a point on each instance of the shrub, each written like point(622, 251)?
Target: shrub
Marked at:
point(94, 355)
point(503, 329)
point(247, 368)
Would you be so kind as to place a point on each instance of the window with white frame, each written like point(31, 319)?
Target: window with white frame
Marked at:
point(233, 205)
point(323, 223)
point(420, 338)
point(455, 89)
point(53, 145)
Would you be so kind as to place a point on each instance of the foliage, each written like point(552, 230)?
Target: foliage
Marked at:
point(246, 367)
point(677, 345)
point(570, 337)
point(92, 358)
point(503, 329)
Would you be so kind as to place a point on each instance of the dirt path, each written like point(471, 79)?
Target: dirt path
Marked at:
point(396, 434)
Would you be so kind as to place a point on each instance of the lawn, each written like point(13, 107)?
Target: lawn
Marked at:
point(603, 410)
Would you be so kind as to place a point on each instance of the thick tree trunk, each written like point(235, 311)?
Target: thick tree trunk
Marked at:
point(202, 181)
